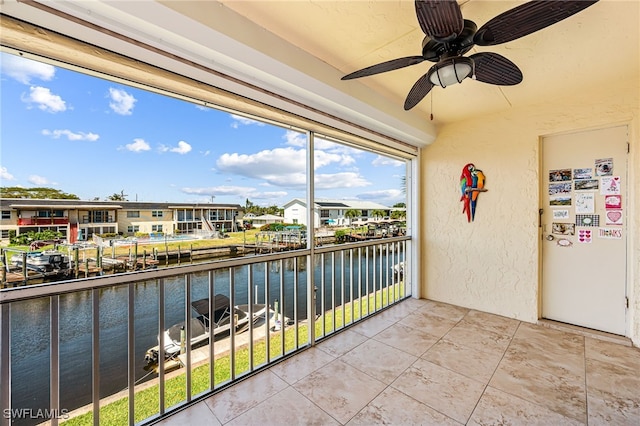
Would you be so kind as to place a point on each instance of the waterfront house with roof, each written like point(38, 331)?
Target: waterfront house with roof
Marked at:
point(79, 220)
point(334, 212)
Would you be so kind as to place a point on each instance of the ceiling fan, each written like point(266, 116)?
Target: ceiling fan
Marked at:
point(449, 37)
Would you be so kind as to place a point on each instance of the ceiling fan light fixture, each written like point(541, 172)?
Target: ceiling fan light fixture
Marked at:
point(451, 71)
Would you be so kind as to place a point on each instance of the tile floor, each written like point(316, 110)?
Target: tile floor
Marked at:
point(425, 362)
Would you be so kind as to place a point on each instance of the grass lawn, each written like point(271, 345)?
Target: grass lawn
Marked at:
point(147, 400)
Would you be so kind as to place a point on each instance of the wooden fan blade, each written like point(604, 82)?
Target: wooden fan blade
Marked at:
point(394, 64)
point(526, 19)
point(418, 92)
point(496, 69)
point(439, 19)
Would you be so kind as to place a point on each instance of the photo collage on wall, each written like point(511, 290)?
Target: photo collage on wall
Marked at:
point(576, 196)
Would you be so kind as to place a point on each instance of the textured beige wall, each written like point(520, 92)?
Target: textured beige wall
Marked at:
point(492, 264)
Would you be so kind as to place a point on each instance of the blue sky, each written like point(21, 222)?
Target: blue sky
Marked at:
point(93, 138)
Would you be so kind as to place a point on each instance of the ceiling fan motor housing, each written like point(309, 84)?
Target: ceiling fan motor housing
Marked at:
point(435, 50)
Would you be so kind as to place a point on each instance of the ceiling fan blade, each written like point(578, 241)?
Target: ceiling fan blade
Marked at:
point(496, 69)
point(394, 64)
point(439, 19)
point(526, 19)
point(418, 92)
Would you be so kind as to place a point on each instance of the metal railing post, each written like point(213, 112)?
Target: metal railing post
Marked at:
point(5, 363)
point(95, 353)
point(54, 360)
point(131, 353)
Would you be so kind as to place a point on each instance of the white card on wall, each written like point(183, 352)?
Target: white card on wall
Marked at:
point(585, 202)
point(561, 214)
point(610, 185)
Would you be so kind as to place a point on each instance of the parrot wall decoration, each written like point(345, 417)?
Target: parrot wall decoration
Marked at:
point(472, 182)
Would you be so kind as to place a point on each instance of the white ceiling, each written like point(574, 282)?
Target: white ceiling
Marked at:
point(299, 49)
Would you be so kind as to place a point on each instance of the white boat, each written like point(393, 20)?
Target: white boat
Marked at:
point(202, 320)
point(42, 261)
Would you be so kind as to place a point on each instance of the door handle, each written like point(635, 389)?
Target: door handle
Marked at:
point(540, 211)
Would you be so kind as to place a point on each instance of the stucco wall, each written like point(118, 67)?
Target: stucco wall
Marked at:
point(492, 264)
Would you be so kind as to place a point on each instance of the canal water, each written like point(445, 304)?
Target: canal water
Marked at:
point(30, 340)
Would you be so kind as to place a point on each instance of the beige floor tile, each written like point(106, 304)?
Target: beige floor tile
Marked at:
point(287, 407)
point(429, 323)
point(625, 356)
point(407, 339)
point(413, 303)
point(613, 379)
point(555, 361)
point(379, 360)
point(301, 365)
point(444, 310)
point(341, 343)
point(392, 407)
point(476, 364)
point(397, 312)
point(339, 389)
point(475, 338)
point(491, 322)
point(562, 394)
point(500, 408)
point(198, 414)
point(606, 408)
point(448, 392)
point(371, 326)
point(549, 339)
point(242, 396)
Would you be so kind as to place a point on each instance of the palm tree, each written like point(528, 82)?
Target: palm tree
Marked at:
point(378, 213)
point(118, 197)
point(352, 214)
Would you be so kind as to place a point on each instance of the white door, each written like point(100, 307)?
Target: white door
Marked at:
point(583, 228)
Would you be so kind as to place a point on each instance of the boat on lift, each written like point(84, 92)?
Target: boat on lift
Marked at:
point(222, 320)
point(42, 261)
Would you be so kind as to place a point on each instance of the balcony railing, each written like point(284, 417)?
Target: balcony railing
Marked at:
point(103, 219)
point(32, 221)
point(65, 348)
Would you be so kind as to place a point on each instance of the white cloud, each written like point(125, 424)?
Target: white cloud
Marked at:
point(383, 195)
point(5, 175)
point(45, 100)
point(263, 163)
point(280, 166)
point(138, 145)
point(295, 138)
point(205, 153)
point(239, 120)
point(121, 102)
point(40, 180)
point(182, 148)
point(269, 195)
point(386, 161)
point(24, 70)
point(72, 136)
point(340, 180)
point(323, 147)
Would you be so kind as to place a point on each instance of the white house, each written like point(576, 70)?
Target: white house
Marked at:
point(333, 212)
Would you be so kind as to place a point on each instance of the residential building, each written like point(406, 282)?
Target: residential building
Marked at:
point(79, 220)
point(263, 219)
point(334, 212)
